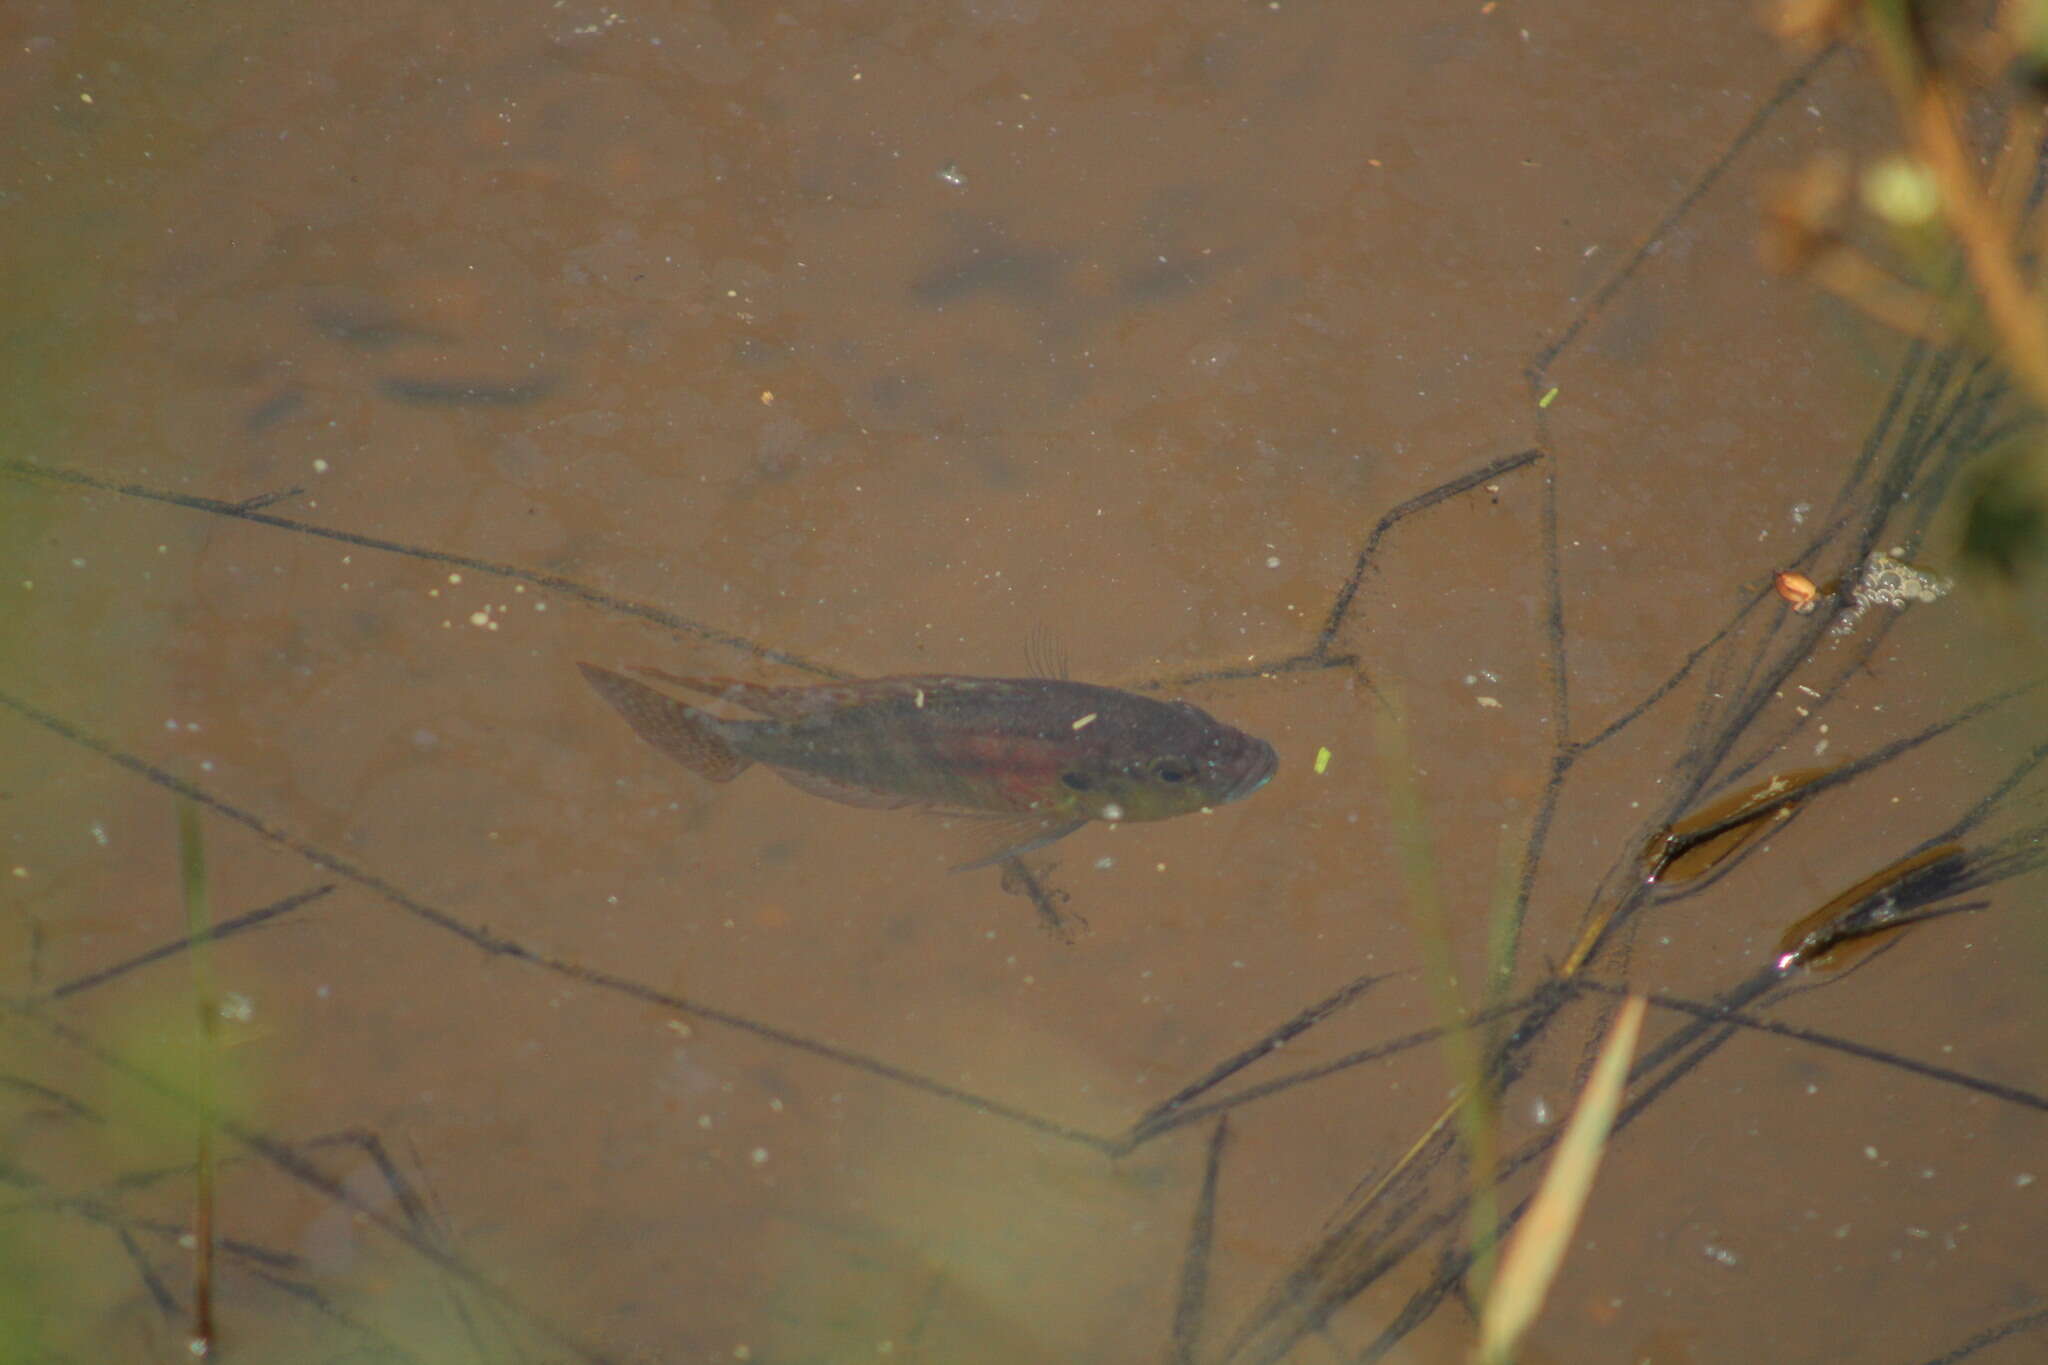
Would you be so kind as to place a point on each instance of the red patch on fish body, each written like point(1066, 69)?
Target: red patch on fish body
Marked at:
point(1022, 770)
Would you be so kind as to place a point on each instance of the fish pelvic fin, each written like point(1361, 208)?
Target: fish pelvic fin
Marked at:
point(1042, 832)
point(683, 733)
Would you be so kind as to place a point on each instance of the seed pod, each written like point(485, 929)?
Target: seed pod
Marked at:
point(1797, 589)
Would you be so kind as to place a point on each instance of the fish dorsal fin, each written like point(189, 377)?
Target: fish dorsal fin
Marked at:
point(822, 699)
point(1044, 655)
point(779, 703)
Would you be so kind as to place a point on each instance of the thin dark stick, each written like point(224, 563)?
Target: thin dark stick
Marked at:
point(1287, 1032)
point(567, 587)
point(1614, 283)
point(1194, 1265)
point(226, 928)
point(1341, 608)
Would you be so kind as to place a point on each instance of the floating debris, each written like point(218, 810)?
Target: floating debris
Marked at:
point(1870, 913)
point(433, 392)
point(1702, 842)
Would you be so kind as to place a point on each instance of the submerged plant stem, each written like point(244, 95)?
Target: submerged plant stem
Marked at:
point(1477, 1121)
point(199, 934)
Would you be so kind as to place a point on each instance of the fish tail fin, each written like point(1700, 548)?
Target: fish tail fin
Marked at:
point(683, 733)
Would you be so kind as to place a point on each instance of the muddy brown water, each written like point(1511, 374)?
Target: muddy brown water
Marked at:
point(368, 368)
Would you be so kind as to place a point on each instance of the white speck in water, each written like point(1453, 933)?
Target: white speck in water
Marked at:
point(1112, 812)
point(99, 834)
point(1085, 721)
point(950, 173)
point(1540, 1111)
point(759, 1156)
point(1272, 561)
point(1104, 864)
point(2023, 1179)
point(1721, 1255)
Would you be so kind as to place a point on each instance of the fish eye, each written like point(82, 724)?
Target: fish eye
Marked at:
point(1080, 782)
point(1172, 771)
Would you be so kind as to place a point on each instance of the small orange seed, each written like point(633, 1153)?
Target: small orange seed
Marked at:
point(1797, 589)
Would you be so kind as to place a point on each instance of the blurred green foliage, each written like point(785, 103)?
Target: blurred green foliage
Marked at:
point(2003, 525)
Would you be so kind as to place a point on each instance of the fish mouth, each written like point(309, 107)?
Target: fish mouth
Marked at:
point(1265, 761)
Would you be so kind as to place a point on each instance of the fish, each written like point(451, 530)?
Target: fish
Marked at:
point(1042, 757)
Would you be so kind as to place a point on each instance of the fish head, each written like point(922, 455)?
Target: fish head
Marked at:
point(1183, 760)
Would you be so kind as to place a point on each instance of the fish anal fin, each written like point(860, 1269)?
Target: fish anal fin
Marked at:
point(844, 792)
point(680, 732)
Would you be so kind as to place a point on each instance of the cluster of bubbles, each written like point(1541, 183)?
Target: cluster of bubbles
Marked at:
point(1887, 580)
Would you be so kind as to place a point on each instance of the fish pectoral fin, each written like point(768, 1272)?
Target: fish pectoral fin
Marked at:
point(1038, 832)
point(844, 792)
